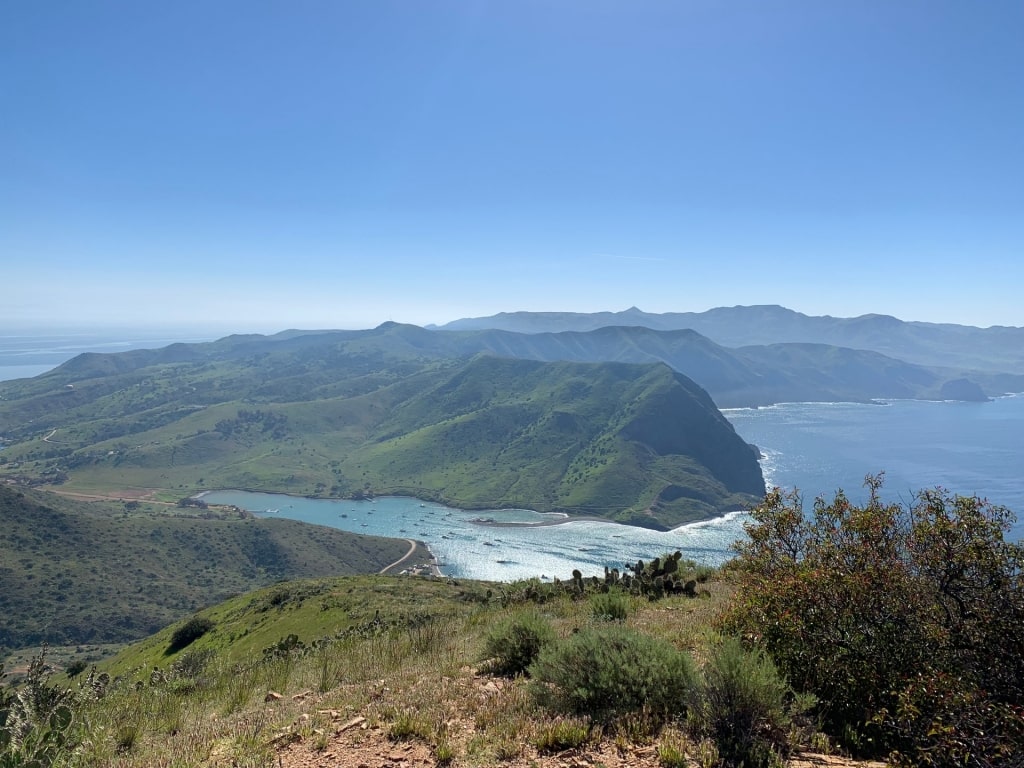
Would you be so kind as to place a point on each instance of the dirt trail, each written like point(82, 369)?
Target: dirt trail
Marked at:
point(402, 559)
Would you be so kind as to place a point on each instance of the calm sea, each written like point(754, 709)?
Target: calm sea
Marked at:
point(968, 448)
point(25, 356)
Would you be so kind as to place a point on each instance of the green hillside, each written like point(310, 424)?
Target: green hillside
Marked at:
point(770, 661)
point(241, 627)
point(349, 414)
point(77, 572)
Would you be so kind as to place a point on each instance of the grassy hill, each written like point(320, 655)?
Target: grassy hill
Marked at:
point(76, 572)
point(349, 414)
point(366, 668)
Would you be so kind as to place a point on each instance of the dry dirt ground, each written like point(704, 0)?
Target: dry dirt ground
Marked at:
point(355, 740)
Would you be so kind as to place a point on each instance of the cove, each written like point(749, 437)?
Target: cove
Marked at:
point(514, 544)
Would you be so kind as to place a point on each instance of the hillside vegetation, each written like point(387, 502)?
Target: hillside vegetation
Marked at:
point(356, 414)
point(888, 631)
point(86, 573)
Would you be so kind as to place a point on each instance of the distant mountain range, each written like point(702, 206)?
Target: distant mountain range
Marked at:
point(995, 349)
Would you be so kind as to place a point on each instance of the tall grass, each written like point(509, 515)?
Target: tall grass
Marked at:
point(413, 678)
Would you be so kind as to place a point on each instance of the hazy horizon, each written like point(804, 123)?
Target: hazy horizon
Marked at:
point(256, 168)
point(197, 331)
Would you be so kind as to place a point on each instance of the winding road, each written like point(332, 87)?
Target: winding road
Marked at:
point(399, 561)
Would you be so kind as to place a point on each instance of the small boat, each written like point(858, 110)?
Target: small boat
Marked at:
point(488, 544)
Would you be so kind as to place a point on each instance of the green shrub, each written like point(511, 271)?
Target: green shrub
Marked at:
point(609, 606)
point(189, 632)
point(906, 622)
point(610, 671)
point(191, 665)
point(741, 703)
point(513, 644)
point(945, 722)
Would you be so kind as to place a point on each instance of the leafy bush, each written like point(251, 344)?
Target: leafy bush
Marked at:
point(191, 665)
point(907, 622)
point(944, 722)
point(610, 671)
point(608, 606)
point(189, 632)
point(741, 703)
point(513, 644)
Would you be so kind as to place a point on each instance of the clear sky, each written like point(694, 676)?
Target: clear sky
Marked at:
point(254, 166)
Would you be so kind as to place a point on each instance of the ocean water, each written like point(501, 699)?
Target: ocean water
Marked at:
point(515, 545)
point(967, 448)
point(27, 355)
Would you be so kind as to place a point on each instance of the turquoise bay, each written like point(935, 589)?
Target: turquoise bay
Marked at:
point(517, 544)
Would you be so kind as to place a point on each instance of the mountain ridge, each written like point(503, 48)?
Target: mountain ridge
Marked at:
point(996, 348)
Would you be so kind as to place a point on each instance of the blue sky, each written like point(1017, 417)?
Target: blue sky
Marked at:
point(253, 166)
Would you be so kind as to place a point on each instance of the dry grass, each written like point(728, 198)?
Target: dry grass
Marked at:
point(403, 695)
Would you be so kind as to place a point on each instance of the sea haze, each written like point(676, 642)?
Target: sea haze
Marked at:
point(27, 355)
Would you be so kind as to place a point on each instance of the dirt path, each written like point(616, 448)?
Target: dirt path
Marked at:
point(402, 559)
point(123, 496)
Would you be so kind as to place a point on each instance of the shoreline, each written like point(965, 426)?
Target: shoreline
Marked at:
point(488, 522)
